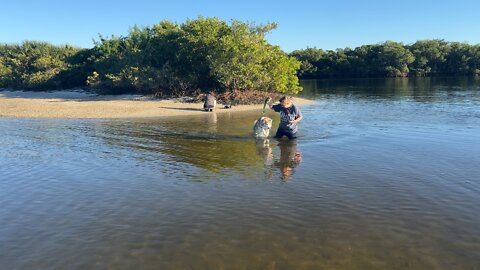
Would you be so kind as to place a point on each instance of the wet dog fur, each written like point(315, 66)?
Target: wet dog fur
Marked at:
point(261, 127)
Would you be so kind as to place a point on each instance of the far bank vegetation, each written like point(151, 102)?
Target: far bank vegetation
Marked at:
point(392, 59)
point(166, 59)
point(231, 58)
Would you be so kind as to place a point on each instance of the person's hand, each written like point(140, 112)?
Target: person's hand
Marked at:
point(296, 120)
point(270, 102)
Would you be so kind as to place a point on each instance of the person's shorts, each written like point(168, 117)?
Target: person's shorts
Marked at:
point(208, 107)
point(283, 132)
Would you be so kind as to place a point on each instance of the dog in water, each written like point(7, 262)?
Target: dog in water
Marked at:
point(261, 127)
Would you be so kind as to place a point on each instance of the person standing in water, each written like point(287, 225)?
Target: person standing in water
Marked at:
point(290, 115)
point(209, 102)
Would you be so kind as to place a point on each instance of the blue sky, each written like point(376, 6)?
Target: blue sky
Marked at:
point(326, 24)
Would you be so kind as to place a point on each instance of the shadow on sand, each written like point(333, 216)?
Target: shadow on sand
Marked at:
point(68, 95)
point(182, 109)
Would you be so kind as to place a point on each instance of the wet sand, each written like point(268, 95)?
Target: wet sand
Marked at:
point(82, 104)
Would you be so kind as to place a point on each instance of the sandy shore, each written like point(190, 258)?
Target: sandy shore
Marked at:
point(82, 104)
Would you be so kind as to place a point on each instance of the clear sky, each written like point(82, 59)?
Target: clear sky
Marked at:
point(326, 24)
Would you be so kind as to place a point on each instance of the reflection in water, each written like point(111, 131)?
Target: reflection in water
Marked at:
point(264, 150)
point(211, 122)
point(416, 89)
point(217, 143)
point(290, 158)
point(202, 146)
point(286, 160)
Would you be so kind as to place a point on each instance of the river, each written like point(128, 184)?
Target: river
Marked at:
point(385, 175)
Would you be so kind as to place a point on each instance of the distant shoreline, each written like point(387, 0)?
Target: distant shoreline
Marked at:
point(84, 104)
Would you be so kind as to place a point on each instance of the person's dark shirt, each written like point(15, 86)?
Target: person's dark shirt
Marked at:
point(209, 101)
point(286, 115)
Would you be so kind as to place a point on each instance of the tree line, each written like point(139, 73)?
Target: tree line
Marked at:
point(209, 54)
point(166, 59)
point(392, 59)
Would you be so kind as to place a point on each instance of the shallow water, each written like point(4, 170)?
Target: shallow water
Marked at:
point(385, 175)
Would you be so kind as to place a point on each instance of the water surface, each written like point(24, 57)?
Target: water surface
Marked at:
point(385, 175)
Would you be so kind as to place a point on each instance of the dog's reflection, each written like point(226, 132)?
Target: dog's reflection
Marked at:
point(290, 156)
point(264, 150)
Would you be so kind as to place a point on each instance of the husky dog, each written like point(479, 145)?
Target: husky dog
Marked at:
point(262, 127)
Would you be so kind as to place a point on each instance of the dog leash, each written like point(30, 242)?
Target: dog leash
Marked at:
point(265, 104)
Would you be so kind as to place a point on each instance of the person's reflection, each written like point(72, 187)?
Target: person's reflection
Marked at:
point(211, 122)
point(290, 158)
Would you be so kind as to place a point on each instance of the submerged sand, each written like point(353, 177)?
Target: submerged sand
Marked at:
point(83, 104)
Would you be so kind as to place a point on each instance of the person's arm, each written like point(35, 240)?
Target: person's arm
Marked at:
point(275, 106)
point(299, 116)
point(270, 103)
point(298, 119)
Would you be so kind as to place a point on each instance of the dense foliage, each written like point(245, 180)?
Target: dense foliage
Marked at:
point(34, 65)
point(170, 59)
point(392, 59)
point(165, 59)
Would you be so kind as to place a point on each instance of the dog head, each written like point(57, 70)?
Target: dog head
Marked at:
point(264, 122)
point(262, 127)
